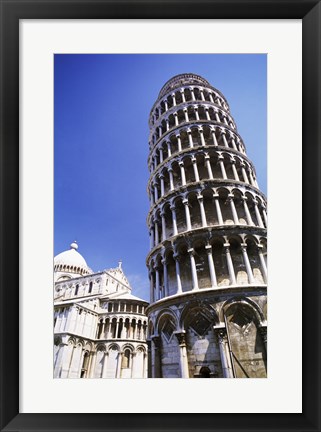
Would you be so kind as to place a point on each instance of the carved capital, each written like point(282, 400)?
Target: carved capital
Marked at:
point(181, 338)
point(221, 334)
point(208, 248)
point(157, 341)
point(177, 257)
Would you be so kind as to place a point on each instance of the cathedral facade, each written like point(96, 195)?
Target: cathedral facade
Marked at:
point(99, 326)
point(208, 234)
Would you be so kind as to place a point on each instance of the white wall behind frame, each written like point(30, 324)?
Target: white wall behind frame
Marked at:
point(281, 392)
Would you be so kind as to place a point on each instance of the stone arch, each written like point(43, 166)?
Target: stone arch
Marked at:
point(247, 346)
point(258, 314)
point(201, 316)
point(166, 319)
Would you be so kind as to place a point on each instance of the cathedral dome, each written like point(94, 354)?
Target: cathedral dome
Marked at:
point(71, 261)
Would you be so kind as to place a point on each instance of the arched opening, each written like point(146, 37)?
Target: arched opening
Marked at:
point(85, 364)
point(247, 347)
point(205, 372)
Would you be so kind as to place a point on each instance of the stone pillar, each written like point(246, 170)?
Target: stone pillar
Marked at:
point(233, 142)
point(226, 361)
point(247, 212)
point(161, 176)
point(155, 192)
point(179, 142)
point(165, 277)
point(187, 215)
point(166, 105)
point(157, 284)
point(186, 114)
point(151, 287)
point(190, 139)
point(161, 156)
point(221, 159)
point(230, 264)
point(171, 180)
point(211, 97)
point(156, 232)
point(208, 117)
point(202, 210)
point(208, 166)
point(175, 232)
point(263, 263)
point(244, 172)
point(247, 263)
point(202, 136)
point(218, 209)
point(167, 124)
point(217, 117)
point(183, 360)
point(105, 329)
point(156, 356)
point(169, 151)
point(233, 209)
point(117, 328)
point(181, 165)
point(109, 333)
point(193, 268)
point(236, 176)
point(202, 94)
point(196, 113)
point(224, 137)
point(192, 93)
point(208, 249)
point(178, 274)
point(174, 99)
point(214, 137)
point(176, 119)
point(257, 213)
point(163, 226)
point(194, 162)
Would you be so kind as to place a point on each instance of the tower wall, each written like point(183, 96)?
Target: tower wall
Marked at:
point(207, 224)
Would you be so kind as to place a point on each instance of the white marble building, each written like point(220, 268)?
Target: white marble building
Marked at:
point(99, 326)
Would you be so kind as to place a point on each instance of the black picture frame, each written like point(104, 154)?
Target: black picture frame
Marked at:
point(11, 12)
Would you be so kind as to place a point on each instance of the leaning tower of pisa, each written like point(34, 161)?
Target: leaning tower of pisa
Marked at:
point(207, 225)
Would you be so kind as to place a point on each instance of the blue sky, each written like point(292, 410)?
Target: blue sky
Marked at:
point(102, 104)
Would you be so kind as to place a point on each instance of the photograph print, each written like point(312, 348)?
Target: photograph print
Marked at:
point(160, 216)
